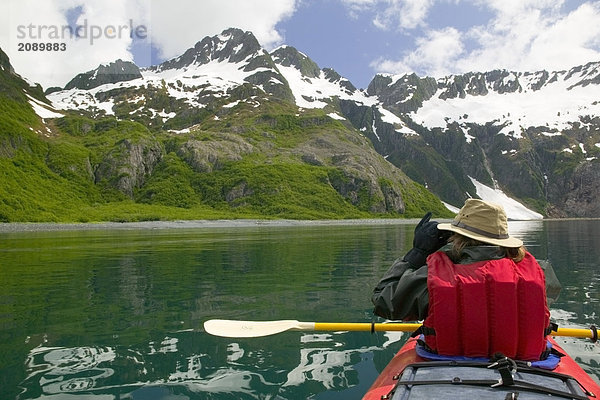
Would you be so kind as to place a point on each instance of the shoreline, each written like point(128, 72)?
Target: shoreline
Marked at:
point(192, 224)
point(9, 227)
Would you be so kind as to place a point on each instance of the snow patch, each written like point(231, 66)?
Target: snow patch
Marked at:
point(389, 117)
point(406, 131)
point(43, 110)
point(399, 125)
point(374, 129)
point(231, 105)
point(107, 106)
point(164, 115)
point(310, 92)
point(178, 132)
point(514, 210)
point(550, 134)
point(336, 116)
point(451, 207)
point(465, 130)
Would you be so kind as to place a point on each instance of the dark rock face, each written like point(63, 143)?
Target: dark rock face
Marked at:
point(118, 71)
point(332, 76)
point(404, 95)
point(207, 156)
point(579, 197)
point(288, 56)
point(127, 166)
point(366, 181)
point(5, 63)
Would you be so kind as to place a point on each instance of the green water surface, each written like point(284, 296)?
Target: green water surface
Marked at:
point(117, 313)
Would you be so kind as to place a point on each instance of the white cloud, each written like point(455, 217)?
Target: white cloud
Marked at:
point(394, 14)
point(535, 35)
point(574, 39)
point(404, 14)
point(435, 54)
point(104, 36)
point(523, 35)
point(175, 29)
point(359, 5)
point(513, 8)
point(172, 26)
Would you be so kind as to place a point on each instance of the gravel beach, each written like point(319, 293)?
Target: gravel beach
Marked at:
point(242, 223)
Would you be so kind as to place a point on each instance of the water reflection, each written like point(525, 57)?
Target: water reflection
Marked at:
point(326, 363)
point(86, 372)
point(332, 366)
point(324, 359)
point(525, 229)
point(68, 370)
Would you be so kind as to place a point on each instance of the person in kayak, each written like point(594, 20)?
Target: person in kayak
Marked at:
point(478, 290)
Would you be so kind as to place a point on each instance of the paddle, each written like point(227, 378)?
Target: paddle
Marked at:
point(248, 329)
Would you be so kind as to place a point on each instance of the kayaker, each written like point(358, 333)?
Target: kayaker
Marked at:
point(477, 288)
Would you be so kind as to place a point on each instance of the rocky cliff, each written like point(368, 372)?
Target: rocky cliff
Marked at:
point(118, 71)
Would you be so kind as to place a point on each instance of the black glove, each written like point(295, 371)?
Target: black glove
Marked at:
point(428, 239)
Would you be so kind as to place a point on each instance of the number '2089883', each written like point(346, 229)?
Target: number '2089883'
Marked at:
point(35, 46)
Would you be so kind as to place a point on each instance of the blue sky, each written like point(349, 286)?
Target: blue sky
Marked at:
point(327, 33)
point(357, 38)
point(334, 36)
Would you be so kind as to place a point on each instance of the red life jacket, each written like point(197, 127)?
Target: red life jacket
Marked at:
point(490, 306)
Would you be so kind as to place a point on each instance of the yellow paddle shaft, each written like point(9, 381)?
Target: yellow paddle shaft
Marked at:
point(575, 332)
point(411, 327)
point(365, 326)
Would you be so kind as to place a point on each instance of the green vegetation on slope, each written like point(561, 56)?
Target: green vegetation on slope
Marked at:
point(247, 163)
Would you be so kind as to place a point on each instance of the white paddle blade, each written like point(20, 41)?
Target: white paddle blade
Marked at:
point(248, 329)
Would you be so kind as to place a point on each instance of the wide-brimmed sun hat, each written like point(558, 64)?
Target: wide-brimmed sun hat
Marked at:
point(483, 221)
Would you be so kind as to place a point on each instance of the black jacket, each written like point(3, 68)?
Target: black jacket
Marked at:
point(402, 292)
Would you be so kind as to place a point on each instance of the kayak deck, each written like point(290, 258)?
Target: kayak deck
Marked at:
point(408, 376)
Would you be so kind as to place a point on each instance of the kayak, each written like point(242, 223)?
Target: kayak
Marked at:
point(408, 376)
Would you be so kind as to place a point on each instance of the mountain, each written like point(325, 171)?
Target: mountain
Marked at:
point(229, 128)
point(214, 133)
point(214, 74)
point(118, 71)
point(535, 136)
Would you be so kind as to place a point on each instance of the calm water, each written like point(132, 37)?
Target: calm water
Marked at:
point(117, 314)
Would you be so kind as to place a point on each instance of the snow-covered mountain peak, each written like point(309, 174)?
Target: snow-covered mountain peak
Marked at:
point(232, 45)
point(205, 73)
point(213, 68)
